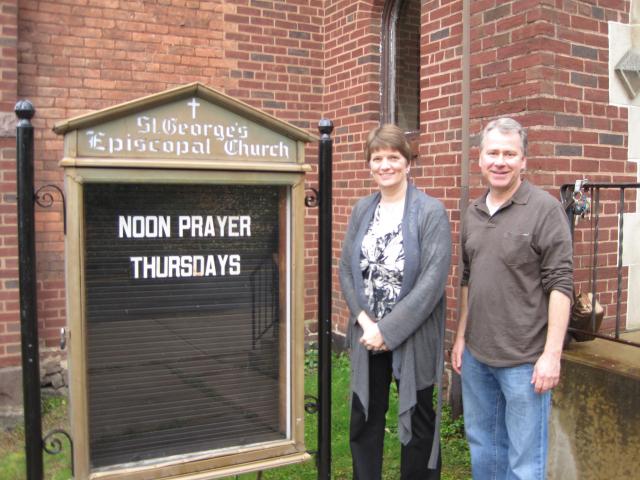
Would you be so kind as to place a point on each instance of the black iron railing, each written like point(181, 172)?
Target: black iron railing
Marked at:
point(583, 200)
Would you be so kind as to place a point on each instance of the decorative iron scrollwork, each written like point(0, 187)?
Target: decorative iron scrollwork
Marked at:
point(52, 443)
point(45, 200)
point(311, 404)
point(312, 199)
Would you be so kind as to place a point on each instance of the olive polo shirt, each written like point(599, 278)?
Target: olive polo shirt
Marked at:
point(512, 261)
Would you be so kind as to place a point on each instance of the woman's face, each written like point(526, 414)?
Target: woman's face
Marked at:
point(389, 168)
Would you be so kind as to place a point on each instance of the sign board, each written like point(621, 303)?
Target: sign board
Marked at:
point(184, 256)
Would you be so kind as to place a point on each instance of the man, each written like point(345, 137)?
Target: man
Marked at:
point(516, 294)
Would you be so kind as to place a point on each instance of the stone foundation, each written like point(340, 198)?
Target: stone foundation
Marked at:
point(54, 380)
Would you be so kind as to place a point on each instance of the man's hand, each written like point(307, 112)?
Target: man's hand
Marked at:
point(546, 372)
point(456, 355)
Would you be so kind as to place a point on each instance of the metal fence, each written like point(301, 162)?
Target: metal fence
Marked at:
point(596, 213)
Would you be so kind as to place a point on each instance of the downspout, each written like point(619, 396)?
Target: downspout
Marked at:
point(466, 103)
point(455, 395)
point(466, 108)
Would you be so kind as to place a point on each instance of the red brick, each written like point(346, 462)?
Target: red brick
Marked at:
point(146, 53)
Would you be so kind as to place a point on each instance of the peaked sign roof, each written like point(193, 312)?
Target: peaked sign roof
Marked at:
point(189, 123)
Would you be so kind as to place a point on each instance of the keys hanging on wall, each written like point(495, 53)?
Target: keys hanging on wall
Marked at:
point(581, 201)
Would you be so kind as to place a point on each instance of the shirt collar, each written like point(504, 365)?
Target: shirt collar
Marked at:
point(520, 197)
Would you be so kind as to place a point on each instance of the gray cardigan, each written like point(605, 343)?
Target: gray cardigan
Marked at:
point(414, 329)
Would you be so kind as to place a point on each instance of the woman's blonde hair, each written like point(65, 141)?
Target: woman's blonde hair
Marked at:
point(387, 136)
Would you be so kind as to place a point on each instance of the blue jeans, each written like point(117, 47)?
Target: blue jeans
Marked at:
point(505, 421)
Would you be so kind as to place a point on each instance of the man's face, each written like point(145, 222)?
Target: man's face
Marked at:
point(501, 160)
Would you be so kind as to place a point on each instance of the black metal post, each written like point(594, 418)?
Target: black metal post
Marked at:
point(620, 242)
point(594, 264)
point(28, 302)
point(325, 219)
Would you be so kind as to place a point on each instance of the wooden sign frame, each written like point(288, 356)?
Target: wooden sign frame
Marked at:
point(83, 172)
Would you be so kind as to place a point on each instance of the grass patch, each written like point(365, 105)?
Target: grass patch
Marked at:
point(12, 456)
point(455, 454)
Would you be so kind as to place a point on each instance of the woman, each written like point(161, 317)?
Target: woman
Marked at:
point(393, 271)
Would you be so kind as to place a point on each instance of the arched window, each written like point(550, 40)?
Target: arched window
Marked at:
point(401, 64)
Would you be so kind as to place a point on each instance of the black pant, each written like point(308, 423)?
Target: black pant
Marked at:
point(367, 436)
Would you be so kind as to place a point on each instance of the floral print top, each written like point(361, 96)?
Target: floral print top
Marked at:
point(382, 263)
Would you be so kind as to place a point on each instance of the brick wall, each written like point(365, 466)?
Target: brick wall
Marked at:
point(76, 56)
point(543, 62)
point(440, 161)
point(546, 63)
point(352, 102)
point(277, 47)
point(9, 306)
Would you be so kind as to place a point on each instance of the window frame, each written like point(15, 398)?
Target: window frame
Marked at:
point(388, 66)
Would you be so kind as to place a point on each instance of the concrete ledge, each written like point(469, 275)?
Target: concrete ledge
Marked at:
point(594, 432)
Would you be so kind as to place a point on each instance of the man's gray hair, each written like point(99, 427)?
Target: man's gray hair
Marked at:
point(506, 125)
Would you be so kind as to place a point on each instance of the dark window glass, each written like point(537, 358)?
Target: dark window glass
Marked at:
point(190, 358)
point(401, 64)
point(407, 91)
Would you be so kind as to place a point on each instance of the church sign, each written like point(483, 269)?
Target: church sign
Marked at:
point(184, 288)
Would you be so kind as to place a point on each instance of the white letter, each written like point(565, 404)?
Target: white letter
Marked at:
point(221, 221)
point(174, 266)
point(234, 265)
point(124, 226)
point(218, 132)
point(169, 126)
point(139, 145)
point(95, 140)
point(198, 148)
point(211, 267)
point(162, 267)
point(167, 146)
point(245, 226)
point(223, 263)
point(138, 226)
point(184, 222)
point(149, 267)
point(136, 264)
point(233, 226)
point(115, 145)
point(186, 265)
point(198, 265)
point(230, 147)
point(196, 226)
point(165, 226)
point(209, 231)
point(196, 130)
point(182, 146)
point(151, 226)
point(143, 124)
